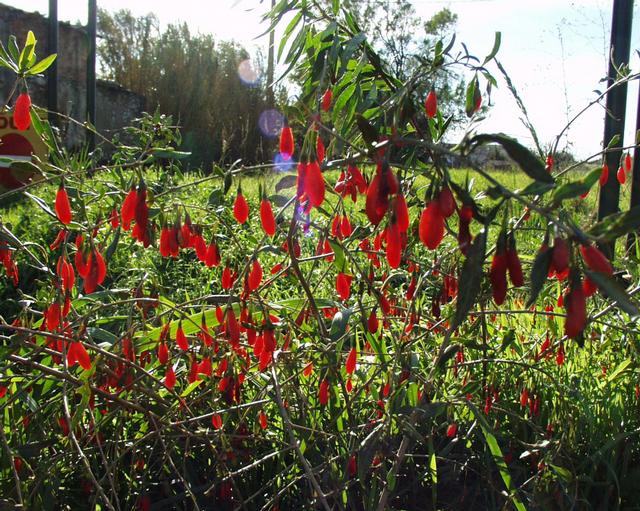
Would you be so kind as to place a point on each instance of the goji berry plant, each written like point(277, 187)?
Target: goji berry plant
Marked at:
point(356, 326)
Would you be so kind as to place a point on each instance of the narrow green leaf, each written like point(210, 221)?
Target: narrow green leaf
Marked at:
point(539, 272)
point(498, 456)
point(471, 275)
point(496, 47)
point(43, 65)
point(526, 160)
point(616, 225)
point(286, 182)
point(577, 188)
point(614, 291)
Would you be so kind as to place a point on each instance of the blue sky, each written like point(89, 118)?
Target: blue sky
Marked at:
point(555, 52)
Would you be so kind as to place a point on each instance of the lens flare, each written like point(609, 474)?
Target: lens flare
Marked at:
point(270, 123)
point(248, 72)
point(282, 165)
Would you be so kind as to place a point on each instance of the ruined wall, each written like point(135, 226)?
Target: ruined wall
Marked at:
point(116, 107)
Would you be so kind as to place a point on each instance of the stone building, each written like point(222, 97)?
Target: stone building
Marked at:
point(116, 107)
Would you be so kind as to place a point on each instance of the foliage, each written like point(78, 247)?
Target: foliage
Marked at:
point(338, 334)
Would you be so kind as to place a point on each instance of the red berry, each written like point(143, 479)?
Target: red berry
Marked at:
point(595, 259)
point(431, 229)
point(286, 142)
point(515, 267)
point(63, 206)
point(21, 112)
point(255, 276)
point(343, 285)
point(327, 97)
point(452, 430)
point(622, 177)
point(314, 187)
point(498, 277)
point(323, 392)
point(240, 208)
point(576, 308)
point(446, 202)
point(170, 378)
point(266, 218)
point(604, 175)
point(350, 365)
point(431, 105)
point(181, 338)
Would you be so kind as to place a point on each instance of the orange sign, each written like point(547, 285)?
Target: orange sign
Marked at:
point(19, 146)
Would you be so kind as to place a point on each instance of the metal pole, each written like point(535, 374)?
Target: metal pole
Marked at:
point(270, 65)
point(52, 75)
point(616, 105)
point(635, 179)
point(91, 72)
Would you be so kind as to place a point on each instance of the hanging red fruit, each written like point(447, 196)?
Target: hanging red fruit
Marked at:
point(604, 175)
point(327, 97)
point(323, 392)
point(498, 276)
point(352, 357)
point(595, 259)
point(431, 229)
point(63, 206)
point(170, 378)
point(286, 142)
point(621, 175)
point(343, 285)
point(181, 338)
point(266, 217)
point(240, 208)
point(576, 309)
point(22, 112)
point(431, 104)
point(314, 187)
point(255, 276)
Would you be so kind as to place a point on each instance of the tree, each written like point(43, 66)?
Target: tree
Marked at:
point(405, 40)
point(194, 78)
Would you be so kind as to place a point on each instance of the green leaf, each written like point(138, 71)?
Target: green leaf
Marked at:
point(288, 181)
point(102, 335)
point(13, 49)
point(339, 260)
point(369, 133)
point(471, 275)
point(616, 225)
point(539, 272)
point(343, 99)
point(158, 153)
point(498, 457)
point(27, 52)
point(614, 291)
point(619, 371)
point(41, 203)
point(471, 96)
point(577, 188)
point(615, 140)
point(496, 47)
point(192, 386)
point(536, 188)
point(526, 160)
point(43, 65)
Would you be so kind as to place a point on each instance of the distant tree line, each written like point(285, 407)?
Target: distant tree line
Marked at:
point(192, 77)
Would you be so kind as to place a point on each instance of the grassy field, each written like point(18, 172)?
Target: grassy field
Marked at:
point(573, 440)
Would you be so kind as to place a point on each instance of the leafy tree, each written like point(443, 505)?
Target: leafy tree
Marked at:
point(192, 77)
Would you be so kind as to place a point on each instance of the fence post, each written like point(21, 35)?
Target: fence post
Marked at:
point(91, 72)
point(52, 73)
point(635, 179)
point(616, 105)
